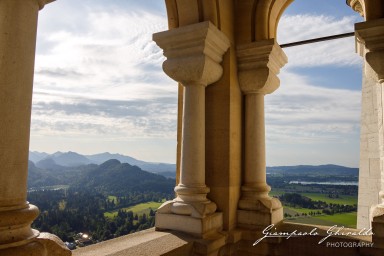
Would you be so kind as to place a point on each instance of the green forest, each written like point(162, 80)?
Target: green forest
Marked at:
point(67, 212)
point(96, 202)
point(92, 203)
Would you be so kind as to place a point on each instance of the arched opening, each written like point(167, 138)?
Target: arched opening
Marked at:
point(98, 81)
point(99, 87)
point(241, 192)
point(313, 119)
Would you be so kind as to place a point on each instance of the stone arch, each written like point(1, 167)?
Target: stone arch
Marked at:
point(257, 20)
point(322, 69)
point(251, 27)
point(185, 12)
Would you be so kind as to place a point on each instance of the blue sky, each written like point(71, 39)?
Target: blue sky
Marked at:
point(99, 84)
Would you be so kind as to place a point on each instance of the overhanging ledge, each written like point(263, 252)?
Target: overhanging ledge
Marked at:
point(143, 243)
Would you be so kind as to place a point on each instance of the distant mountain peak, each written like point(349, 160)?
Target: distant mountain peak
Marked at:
point(72, 159)
point(36, 156)
point(48, 163)
point(57, 153)
point(111, 177)
point(110, 163)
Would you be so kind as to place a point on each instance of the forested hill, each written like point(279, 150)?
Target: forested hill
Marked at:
point(111, 177)
point(118, 178)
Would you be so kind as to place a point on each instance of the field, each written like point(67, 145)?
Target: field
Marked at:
point(341, 219)
point(292, 211)
point(62, 205)
point(349, 200)
point(347, 219)
point(112, 198)
point(138, 209)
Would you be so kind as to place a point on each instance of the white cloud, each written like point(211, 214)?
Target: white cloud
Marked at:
point(101, 81)
point(305, 122)
point(307, 118)
point(303, 109)
point(99, 87)
point(302, 27)
point(110, 59)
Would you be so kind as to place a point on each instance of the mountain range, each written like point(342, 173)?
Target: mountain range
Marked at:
point(68, 168)
point(110, 177)
point(61, 160)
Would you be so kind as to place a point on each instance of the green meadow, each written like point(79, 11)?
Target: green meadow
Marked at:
point(343, 199)
point(138, 209)
point(339, 219)
point(348, 200)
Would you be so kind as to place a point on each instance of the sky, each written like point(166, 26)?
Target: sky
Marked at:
point(99, 85)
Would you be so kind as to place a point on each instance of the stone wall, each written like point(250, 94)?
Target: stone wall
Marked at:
point(369, 175)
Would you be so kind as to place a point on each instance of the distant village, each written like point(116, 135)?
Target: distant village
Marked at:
point(81, 240)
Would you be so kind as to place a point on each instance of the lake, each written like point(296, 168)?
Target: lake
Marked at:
point(340, 183)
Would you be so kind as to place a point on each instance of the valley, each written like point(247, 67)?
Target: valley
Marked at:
point(113, 198)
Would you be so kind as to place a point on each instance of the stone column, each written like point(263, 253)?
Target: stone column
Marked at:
point(258, 66)
point(18, 24)
point(194, 53)
point(370, 36)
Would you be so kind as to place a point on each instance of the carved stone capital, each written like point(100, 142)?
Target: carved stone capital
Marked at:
point(371, 35)
point(193, 52)
point(42, 3)
point(258, 66)
point(356, 6)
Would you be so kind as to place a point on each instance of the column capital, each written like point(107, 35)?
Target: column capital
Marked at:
point(356, 6)
point(42, 3)
point(193, 52)
point(370, 34)
point(258, 66)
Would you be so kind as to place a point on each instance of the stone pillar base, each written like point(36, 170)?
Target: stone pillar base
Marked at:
point(259, 214)
point(197, 208)
point(30, 249)
point(44, 245)
point(377, 215)
point(198, 227)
